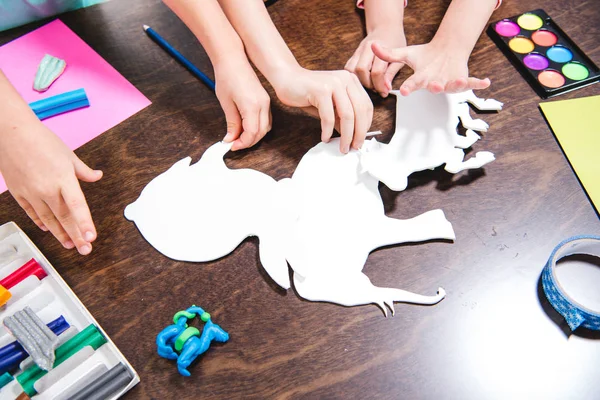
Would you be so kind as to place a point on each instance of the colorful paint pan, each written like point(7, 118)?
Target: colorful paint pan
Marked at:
point(530, 21)
point(507, 28)
point(521, 45)
point(544, 38)
point(543, 53)
point(575, 71)
point(551, 78)
point(559, 54)
point(536, 62)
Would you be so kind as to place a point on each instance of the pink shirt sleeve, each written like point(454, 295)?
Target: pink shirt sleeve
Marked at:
point(360, 3)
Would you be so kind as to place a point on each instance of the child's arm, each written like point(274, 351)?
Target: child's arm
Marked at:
point(41, 173)
point(384, 20)
point(441, 65)
point(245, 102)
point(332, 95)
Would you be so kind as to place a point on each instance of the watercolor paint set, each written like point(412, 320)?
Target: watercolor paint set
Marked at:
point(544, 55)
point(51, 347)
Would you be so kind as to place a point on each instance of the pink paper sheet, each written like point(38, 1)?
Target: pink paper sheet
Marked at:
point(112, 98)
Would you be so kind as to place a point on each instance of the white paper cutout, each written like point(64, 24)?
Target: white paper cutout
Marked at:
point(326, 219)
point(202, 212)
point(341, 220)
point(426, 137)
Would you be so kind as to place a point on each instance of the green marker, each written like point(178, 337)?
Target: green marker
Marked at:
point(90, 336)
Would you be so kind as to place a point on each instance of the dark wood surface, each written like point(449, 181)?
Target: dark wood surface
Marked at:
point(492, 337)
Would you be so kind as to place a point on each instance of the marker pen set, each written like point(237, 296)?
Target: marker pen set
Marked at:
point(51, 347)
point(543, 53)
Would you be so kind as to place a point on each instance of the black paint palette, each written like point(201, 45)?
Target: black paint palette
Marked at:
point(544, 55)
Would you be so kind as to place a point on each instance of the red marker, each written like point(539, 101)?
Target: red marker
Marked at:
point(31, 267)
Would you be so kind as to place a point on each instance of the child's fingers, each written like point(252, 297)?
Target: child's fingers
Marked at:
point(478, 84)
point(76, 218)
point(363, 112)
point(66, 220)
point(49, 220)
point(451, 86)
point(264, 124)
point(378, 75)
point(363, 68)
point(345, 113)
point(26, 206)
point(456, 85)
point(412, 84)
point(250, 124)
point(351, 63)
point(435, 87)
point(85, 173)
point(234, 121)
point(390, 74)
point(327, 116)
point(75, 200)
point(270, 121)
point(399, 54)
point(407, 88)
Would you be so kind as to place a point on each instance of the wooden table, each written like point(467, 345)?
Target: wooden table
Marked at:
point(491, 338)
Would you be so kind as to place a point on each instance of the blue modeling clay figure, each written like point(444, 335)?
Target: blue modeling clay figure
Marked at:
point(187, 341)
point(166, 337)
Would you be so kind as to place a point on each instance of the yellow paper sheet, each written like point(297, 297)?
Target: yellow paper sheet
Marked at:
point(576, 125)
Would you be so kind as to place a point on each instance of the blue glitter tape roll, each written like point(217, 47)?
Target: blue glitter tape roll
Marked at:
point(574, 313)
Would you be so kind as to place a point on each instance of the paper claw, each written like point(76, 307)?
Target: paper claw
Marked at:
point(381, 305)
point(390, 304)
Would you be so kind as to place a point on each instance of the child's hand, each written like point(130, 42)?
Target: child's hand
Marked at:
point(245, 102)
point(337, 97)
point(41, 173)
point(436, 67)
point(373, 72)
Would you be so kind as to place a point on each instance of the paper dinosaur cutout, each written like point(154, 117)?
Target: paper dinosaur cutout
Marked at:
point(426, 137)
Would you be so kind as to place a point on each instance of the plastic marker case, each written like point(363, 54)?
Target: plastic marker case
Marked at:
point(51, 298)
